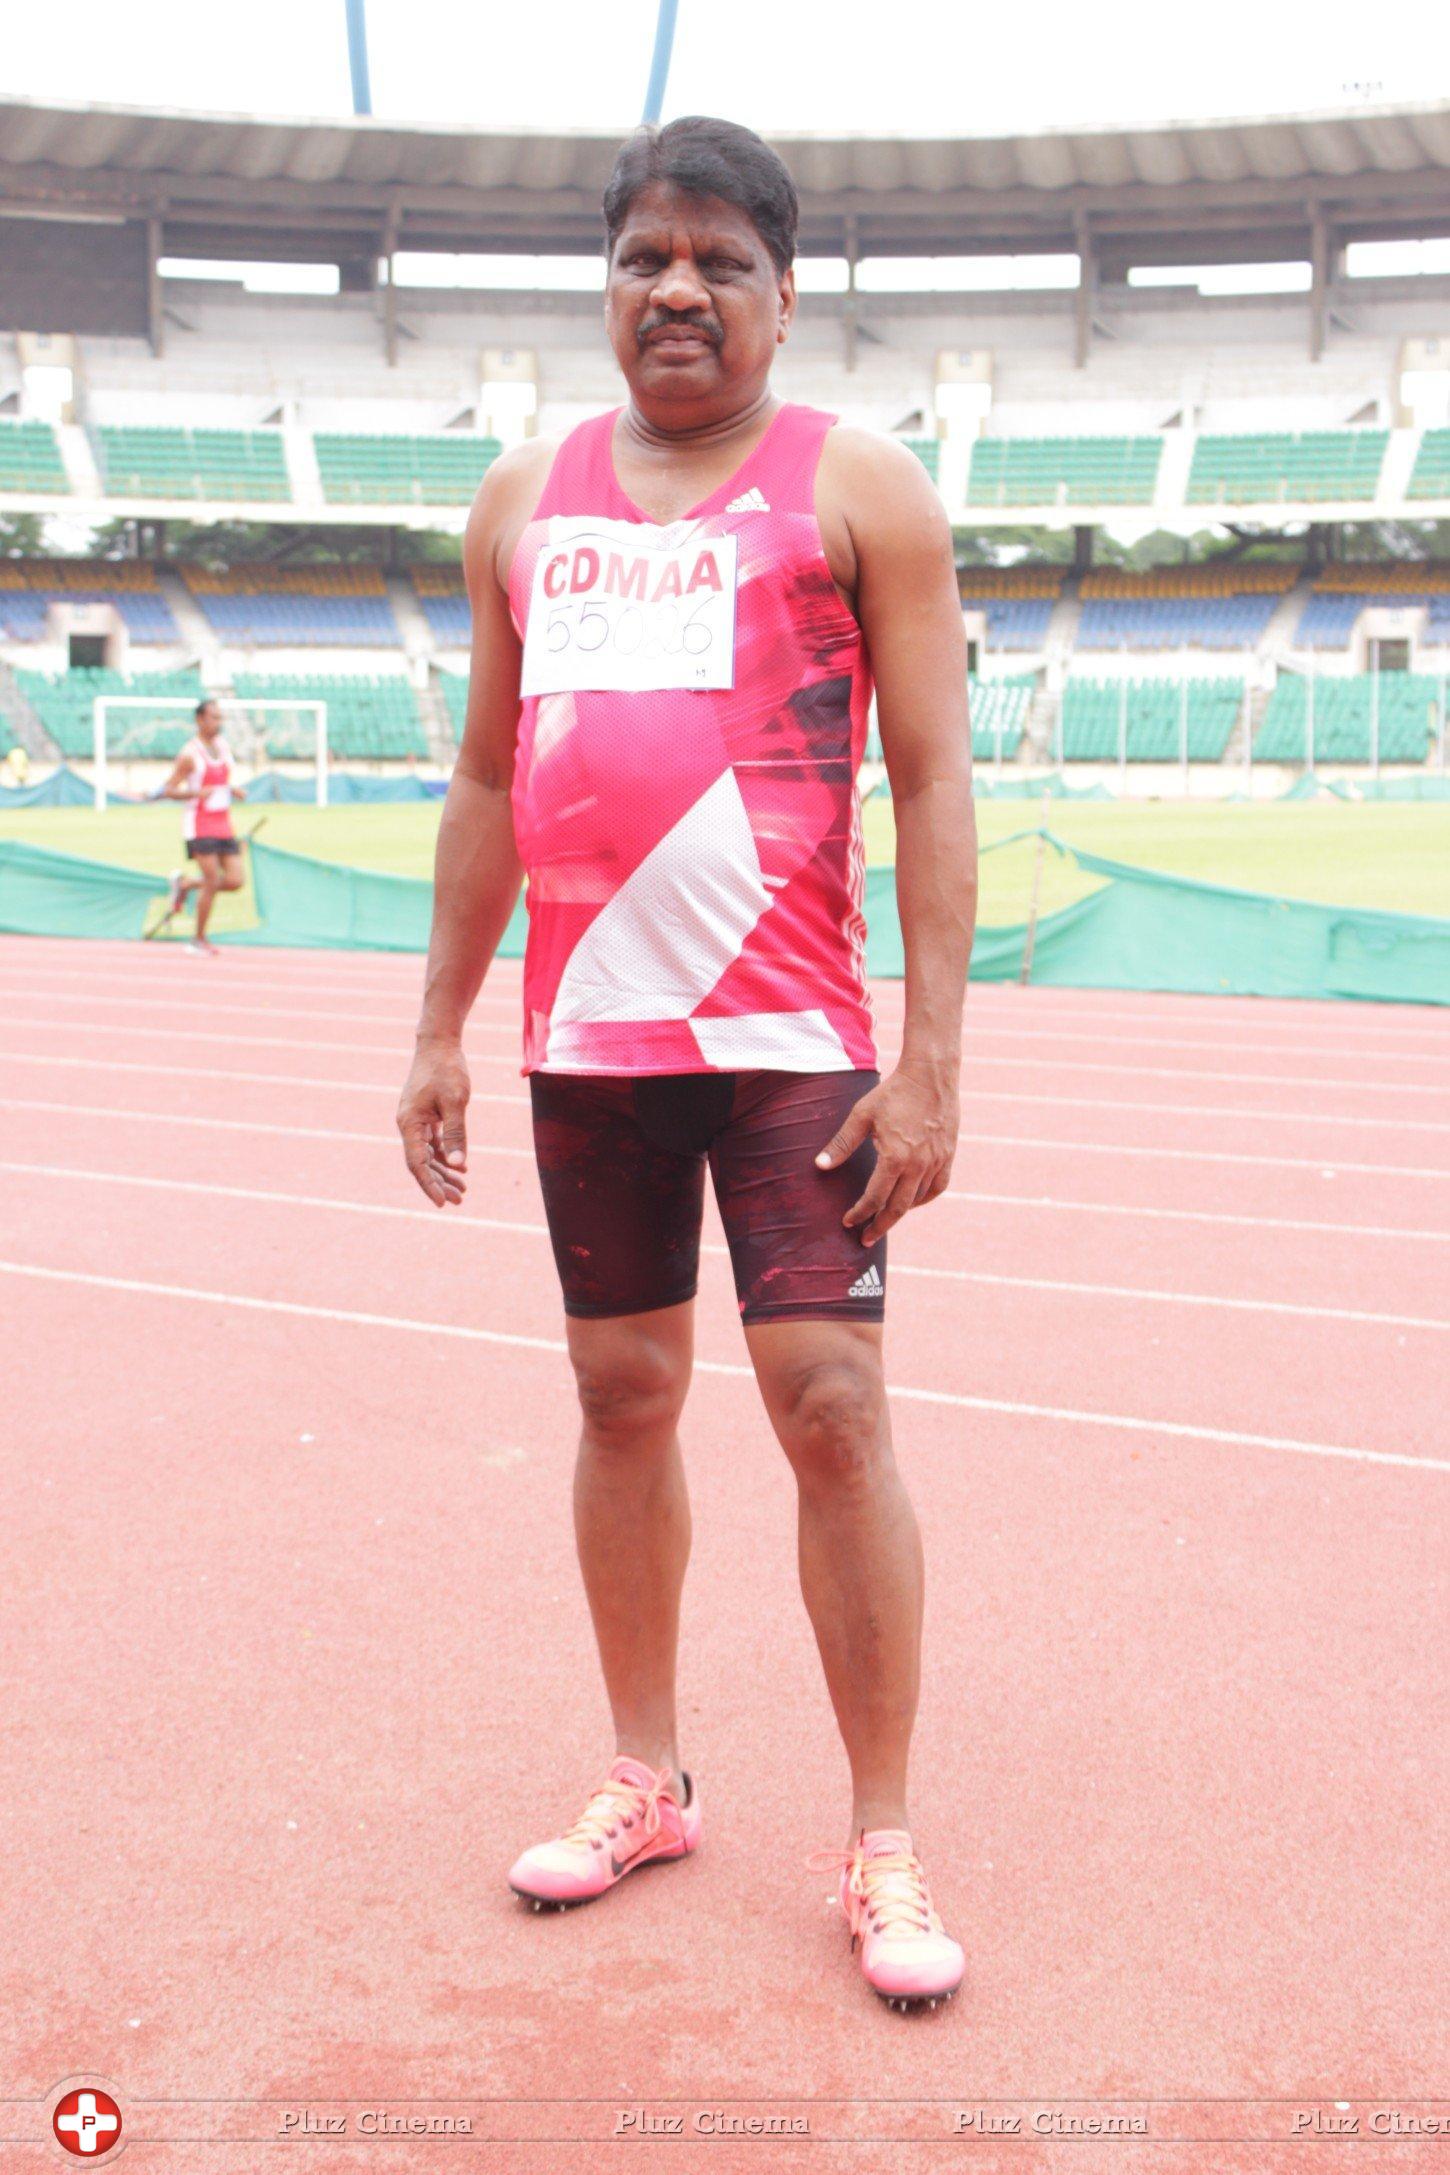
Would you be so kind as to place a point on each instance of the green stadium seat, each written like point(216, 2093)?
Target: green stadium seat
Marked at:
point(30, 459)
point(1097, 471)
point(65, 704)
point(158, 462)
point(1092, 719)
point(454, 686)
point(370, 717)
point(377, 470)
point(1344, 718)
point(928, 452)
point(1430, 476)
point(1297, 467)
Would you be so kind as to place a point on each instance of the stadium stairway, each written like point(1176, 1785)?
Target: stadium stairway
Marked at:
point(300, 455)
point(1395, 469)
point(1245, 724)
point(1062, 627)
point(1278, 636)
point(198, 636)
point(78, 456)
point(437, 724)
point(418, 643)
point(17, 713)
point(1039, 735)
point(1173, 467)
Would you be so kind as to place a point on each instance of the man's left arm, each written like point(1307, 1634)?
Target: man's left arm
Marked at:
point(910, 611)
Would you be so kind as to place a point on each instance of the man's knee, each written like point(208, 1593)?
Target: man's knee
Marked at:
point(631, 1397)
point(831, 1419)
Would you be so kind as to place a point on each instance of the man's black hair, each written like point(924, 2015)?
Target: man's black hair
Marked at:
point(704, 157)
point(205, 704)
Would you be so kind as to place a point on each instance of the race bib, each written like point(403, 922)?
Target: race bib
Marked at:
point(622, 606)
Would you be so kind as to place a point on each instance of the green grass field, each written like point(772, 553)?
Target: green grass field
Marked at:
point(1385, 854)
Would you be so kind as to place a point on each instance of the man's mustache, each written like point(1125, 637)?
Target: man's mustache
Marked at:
point(712, 330)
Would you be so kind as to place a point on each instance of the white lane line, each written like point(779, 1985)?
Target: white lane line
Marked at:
point(1052, 1202)
point(383, 1139)
point(397, 1050)
point(1130, 1423)
point(1326, 1165)
point(190, 999)
point(1055, 1203)
point(1300, 1310)
point(1065, 1104)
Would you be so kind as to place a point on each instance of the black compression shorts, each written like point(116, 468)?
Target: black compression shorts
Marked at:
point(622, 1165)
point(196, 847)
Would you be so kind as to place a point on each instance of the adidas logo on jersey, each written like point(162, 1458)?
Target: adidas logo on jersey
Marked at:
point(867, 1286)
point(749, 502)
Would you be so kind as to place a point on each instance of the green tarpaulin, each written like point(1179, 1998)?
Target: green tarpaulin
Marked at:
point(322, 904)
point(1137, 930)
point(60, 894)
point(345, 788)
point(62, 789)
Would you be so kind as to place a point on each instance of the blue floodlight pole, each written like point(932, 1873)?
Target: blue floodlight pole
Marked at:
point(659, 67)
point(357, 55)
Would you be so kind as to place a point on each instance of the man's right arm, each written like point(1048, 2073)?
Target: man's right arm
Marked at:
point(477, 872)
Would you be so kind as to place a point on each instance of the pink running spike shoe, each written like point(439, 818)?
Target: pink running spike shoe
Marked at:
point(907, 1955)
point(636, 1817)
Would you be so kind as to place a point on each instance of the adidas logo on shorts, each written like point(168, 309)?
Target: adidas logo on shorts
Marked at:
point(749, 502)
point(867, 1286)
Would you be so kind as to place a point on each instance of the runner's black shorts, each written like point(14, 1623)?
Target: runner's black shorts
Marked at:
point(622, 1166)
point(196, 847)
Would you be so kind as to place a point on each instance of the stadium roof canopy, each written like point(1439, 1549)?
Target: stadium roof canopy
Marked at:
point(344, 191)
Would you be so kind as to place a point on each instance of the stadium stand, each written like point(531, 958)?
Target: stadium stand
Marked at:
point(444, 602)
point(381, 470)
point(1299, 467)
point(928, 452)
point(1342, 592)
point(1206, 607)
point(454, 686)
point(1018, 602)
point(63, 701)
point(297, 606)
point(999, 705)
point(28, 587)
point(157, 462)
point(1063, 471)
point(1343, 718)
point(30, 459)
point(1092, 719)
point(1430, 476)
point(370, 717)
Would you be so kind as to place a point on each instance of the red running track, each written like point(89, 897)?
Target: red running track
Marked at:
point(298, 1659)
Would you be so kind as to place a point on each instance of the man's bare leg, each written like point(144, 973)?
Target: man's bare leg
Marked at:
point(860, 1550)
point(632, 1513)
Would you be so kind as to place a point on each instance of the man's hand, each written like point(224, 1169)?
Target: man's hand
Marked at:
point(913, 1117)
point(430, 1118)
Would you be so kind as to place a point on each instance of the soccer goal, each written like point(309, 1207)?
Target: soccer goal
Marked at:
point(152, 729)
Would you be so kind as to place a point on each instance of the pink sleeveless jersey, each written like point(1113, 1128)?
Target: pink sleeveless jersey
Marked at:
point(693, 718)
point(209, 813)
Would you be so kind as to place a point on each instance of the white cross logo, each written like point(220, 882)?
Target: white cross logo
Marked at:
point(90, 2125)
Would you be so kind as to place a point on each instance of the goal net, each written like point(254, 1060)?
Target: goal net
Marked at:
point(136, 739)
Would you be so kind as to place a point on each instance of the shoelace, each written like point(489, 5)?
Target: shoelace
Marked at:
point(891, 1885)
point(616, 1804)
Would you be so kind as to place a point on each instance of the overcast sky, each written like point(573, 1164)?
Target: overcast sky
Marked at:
point(863, 66)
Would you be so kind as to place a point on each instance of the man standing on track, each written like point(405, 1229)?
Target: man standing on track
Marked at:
point(203, 778)
point(678, 611)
